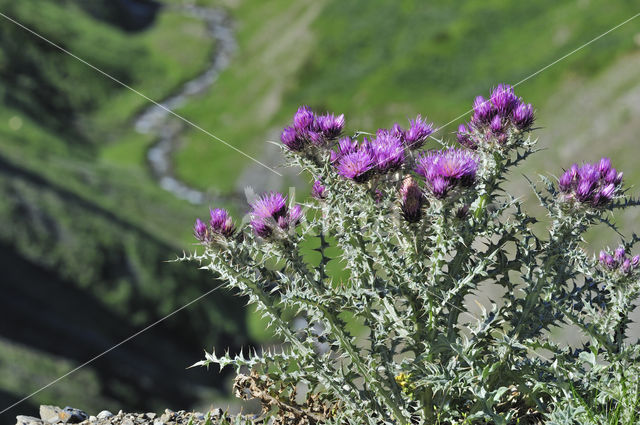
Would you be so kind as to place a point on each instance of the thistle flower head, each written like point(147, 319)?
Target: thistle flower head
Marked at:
point(304, 118)
point(221, 222)
point(496, 125)
point(465, 138)
point(411, 200)
point(271, 210)
point(356, 165)
point(291, 139)
point(619, 261)
point(523, 116)
point(398, 131)
point(418, 132)
point(387, 151)
point(444, 170)
point(619, 253)
point(330, 125)
point(482, 111)
point(318, 190)
point(200, 230)
point(345, 146)
point(591, 184)
point(504, 99)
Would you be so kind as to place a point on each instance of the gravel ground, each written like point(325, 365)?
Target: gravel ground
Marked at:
point(50, 415)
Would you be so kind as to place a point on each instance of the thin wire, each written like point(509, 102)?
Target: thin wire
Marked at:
point(208, 133)
point(109, 350)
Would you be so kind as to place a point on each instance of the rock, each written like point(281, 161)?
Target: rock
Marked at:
point(167, 415)
point(150, 415)
point(28, 420)
point(104, 414)
point(199, 416)
point(75, 415)
point(50, 414)
point(92, 418)
point(127, 422)
point(216, 413)
point(158, 422)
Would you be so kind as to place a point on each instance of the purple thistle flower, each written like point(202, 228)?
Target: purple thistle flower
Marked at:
point(270, 211)
point(608, 260)
point(387, 151)
point(317, 190)
point(417, 133)
point(465, 138)
point(398, 132)
point(356, 165)
point(626, 266)
point(304, 118)
point(604, 166)
point(635, 261)
point(345, 146)
point(290, 138)
point(330, 125)
point(568, 178)
point(504, 100)
point(523, 116)
point(619, 253)
point(266, 212)
point(602, 257)
point(482, 111)
point(200, 230)
point(593, 184)
point(411, 200)
point(292, 219)
point(445, 169)
point(315, 137)
point(440, 186)
point(496, 125)
point(221, 222)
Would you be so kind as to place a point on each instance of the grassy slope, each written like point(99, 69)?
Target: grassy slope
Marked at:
point(104, 227)
point(384, 61)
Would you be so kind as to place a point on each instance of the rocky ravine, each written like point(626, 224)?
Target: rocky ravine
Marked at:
point(50, 415)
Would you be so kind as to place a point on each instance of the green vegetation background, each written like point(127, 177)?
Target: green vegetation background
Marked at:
point(87, 225)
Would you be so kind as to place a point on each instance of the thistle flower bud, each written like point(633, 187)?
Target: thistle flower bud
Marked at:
point(330, 125)
point(304, 118)
point(465, 138)
point(318, 190)
point(523, 116)
point(482, 112)
point(496, 125)
point(221, 222)
point(291, 139)
point(418, 132)
point(619, 253)
point(200, 230)
point(626, 266)
point(411, 200)
point(504, 100)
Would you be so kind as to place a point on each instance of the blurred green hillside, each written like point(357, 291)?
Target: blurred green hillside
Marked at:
point(88, 228)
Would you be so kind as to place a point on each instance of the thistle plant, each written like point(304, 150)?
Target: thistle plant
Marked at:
point(419, 234)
